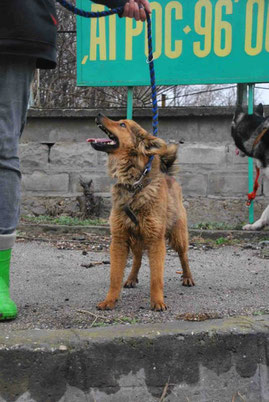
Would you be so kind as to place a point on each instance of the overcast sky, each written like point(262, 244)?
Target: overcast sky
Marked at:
point(263, 94)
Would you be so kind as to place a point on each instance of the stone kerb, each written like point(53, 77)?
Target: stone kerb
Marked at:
point(265, 184)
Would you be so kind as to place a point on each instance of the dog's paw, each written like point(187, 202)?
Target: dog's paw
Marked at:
point(130, 283)
point(106, 305)
point(251, 227)
point(158, 306)
point(188, 281)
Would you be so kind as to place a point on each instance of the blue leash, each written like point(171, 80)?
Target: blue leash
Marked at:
point(89, 14)
point(119, 10)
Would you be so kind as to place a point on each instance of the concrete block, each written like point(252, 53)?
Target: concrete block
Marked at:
point(215, 129)
point(193, 184)
point(227, 184)
point(265, 182)
point(193, 128)
point(42, 182)
point(197, 169)
point(33, 156)
point(72, 156)
point(102, 184)
point(201, 154)
point(102, 159)
point(53, 129)
point(234, 159)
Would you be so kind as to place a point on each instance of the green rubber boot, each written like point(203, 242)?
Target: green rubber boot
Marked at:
point(8, 309)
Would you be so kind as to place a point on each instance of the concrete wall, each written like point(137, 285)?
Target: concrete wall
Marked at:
point(55, 155)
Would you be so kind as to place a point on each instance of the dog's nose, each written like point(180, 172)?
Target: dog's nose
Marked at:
point(99, 118)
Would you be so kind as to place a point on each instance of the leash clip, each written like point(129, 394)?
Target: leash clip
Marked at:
point(138, 184)
point(149, 61)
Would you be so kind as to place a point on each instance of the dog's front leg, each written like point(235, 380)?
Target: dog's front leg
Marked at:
point(260, 223)
point(156, 255)
point(118, 258)
point(133, 276)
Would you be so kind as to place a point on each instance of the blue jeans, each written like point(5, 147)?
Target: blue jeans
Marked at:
point(16, 73)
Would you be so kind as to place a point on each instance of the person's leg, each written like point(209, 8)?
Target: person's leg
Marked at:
point(16, 73)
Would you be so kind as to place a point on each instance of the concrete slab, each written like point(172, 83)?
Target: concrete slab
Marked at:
point(216, 361)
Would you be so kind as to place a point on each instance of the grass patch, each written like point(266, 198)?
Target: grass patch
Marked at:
point(99, 324)
point(128, 320)
point(259, 313)
point(63, 220)
point(222, 240)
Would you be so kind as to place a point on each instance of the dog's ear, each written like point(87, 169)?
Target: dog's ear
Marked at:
point(170, 156)
point(155, 146)
point(238, 110)
point(259, 109)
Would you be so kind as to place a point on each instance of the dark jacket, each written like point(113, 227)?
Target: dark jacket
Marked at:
point(28, 27)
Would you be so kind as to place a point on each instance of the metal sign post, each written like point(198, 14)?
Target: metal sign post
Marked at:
point(245, 98)
point(130, 95)
point(250, 160)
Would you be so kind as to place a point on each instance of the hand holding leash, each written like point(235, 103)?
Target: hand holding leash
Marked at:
point(137, 9)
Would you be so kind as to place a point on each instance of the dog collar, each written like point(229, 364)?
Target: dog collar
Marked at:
point(136, 187)
point(259, 137)
point(139, 184)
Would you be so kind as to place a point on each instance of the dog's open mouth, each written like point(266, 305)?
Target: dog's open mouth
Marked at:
point(104, 144)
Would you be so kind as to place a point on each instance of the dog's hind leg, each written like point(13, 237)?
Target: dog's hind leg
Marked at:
point(260, 223)
point(179, 241)
point(133, 276)
point(118, 256)
point(156, 253)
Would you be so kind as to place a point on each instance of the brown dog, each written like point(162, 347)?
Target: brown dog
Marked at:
point(146, 209)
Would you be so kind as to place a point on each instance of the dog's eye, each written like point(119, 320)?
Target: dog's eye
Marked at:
point(123, 125)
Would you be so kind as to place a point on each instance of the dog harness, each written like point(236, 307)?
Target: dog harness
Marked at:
point(135, 188)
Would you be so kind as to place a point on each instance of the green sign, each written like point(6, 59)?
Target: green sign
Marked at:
point(195, 42)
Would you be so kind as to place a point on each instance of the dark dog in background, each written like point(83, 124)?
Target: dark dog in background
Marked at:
point(251, 136)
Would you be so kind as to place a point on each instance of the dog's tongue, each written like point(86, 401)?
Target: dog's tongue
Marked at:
point(236, 151)
point(103, 140)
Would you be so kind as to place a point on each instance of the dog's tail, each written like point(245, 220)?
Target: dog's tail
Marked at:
point(168, 160)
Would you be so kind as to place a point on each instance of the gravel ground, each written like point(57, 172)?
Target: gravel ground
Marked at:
point(54, 288)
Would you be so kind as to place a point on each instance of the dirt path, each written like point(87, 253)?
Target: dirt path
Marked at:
point(54, 287)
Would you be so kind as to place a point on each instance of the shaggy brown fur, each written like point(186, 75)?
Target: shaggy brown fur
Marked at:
point(157, 207)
